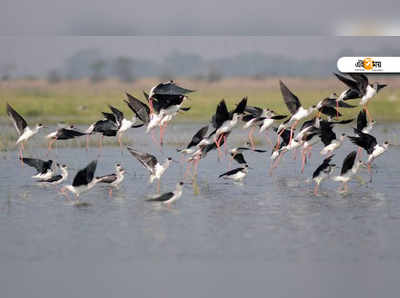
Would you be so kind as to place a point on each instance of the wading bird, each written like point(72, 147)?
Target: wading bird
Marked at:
point(169, 197)
point(323, 172)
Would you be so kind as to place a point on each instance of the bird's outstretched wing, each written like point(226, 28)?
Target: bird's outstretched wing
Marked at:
point(141, 110)
point(146, 159)
point(85, 176)
point(117, 113)
point(198, 136)
point(170, 88)
point(362, 120)
point(17, 119)
point(41, 166)
point(322, 166)
point(348, 162)
point(241, 107)
point(107, 178)
point(362, 81)
point(291, 100)
point(348, 82)
point(239, 158)
point(221, 115)
point(364, 140)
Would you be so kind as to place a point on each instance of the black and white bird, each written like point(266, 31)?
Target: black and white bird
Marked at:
point(56, 178)
point(106, 127)
point(169, 197)
point(151, 163)
point(43, 168)
point(224, 121)
point(247, 147)
point(362, 123)
point(330, 106)
point(237, 174)
point(24, 131)
point(122, 123)
point(359, 83)
point(195, 141)
point(63, 133)
point(239, 158)
point(114, 179)
point(83, 181)
point(370, 145)
point(323, 172)
point(295, 108)
point(350, 168)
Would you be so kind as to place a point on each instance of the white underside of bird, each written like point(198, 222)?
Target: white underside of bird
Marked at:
point(370, 92)
point(335, 144)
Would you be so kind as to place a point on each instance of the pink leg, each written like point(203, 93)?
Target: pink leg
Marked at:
point(268, 139)
point(316, 188)
point(251, 138)
point(225, 146)
point(303, 161)
point(295, 154)
point(291, 130)
point(87, 143)
point(110, 192)
point(120, 143)
point(275, 164)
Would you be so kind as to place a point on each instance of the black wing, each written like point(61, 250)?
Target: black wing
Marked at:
point(107, 178)
point(147, 160)
point(41, 166)
point(279, 117)
point(141, 110)
point(17, 119)
point(326, 133)
point(51, 179)
point(255, 111)
point(348, 162)
point(110, 117)
point(241, 107)
point(291, 100)
point(85, 176)
point(361, 80)
point(198, 137)
point(65, 134)
point(221, 115)
point(365, 141)
point(170, 88)
point(330, 111)
point(348, 82)
point(239, 158)
point(117, 113)
point(322, 166)
point(162, 198)
point(231, 172)
point(362, 120)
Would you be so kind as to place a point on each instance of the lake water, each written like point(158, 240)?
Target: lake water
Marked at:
point(268, 236)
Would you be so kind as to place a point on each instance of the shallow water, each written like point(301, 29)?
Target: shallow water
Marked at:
point(266, 236)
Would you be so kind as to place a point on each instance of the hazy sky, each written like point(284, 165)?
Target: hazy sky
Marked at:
point(183, 17)
point(39, 54)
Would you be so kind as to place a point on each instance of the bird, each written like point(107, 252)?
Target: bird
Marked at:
point(323, 172)
point(63, 133)
point(295, 108)
point(359, 83)
point(350, 168)
point(195, 141)
point(328, 137)
point(24, 131)
point(43, 168)
point(151, 163)
point(330, 106)
point(237, 174)
point(370, 145)
point(169, 197)
point(106, 127)
point(56, 178)
point(247, 147)
point(83, 181)
point(224, 121)
point(115, 179)
point(122, 123)
point(239, 158)
point(165, 101)
point(362, 124)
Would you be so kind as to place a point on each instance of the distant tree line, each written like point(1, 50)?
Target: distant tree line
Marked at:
point(91, 63)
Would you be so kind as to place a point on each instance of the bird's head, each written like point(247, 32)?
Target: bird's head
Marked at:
point(39, 126)
point(386, 144)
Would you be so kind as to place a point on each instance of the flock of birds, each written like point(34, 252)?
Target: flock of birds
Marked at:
point(165, 101)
